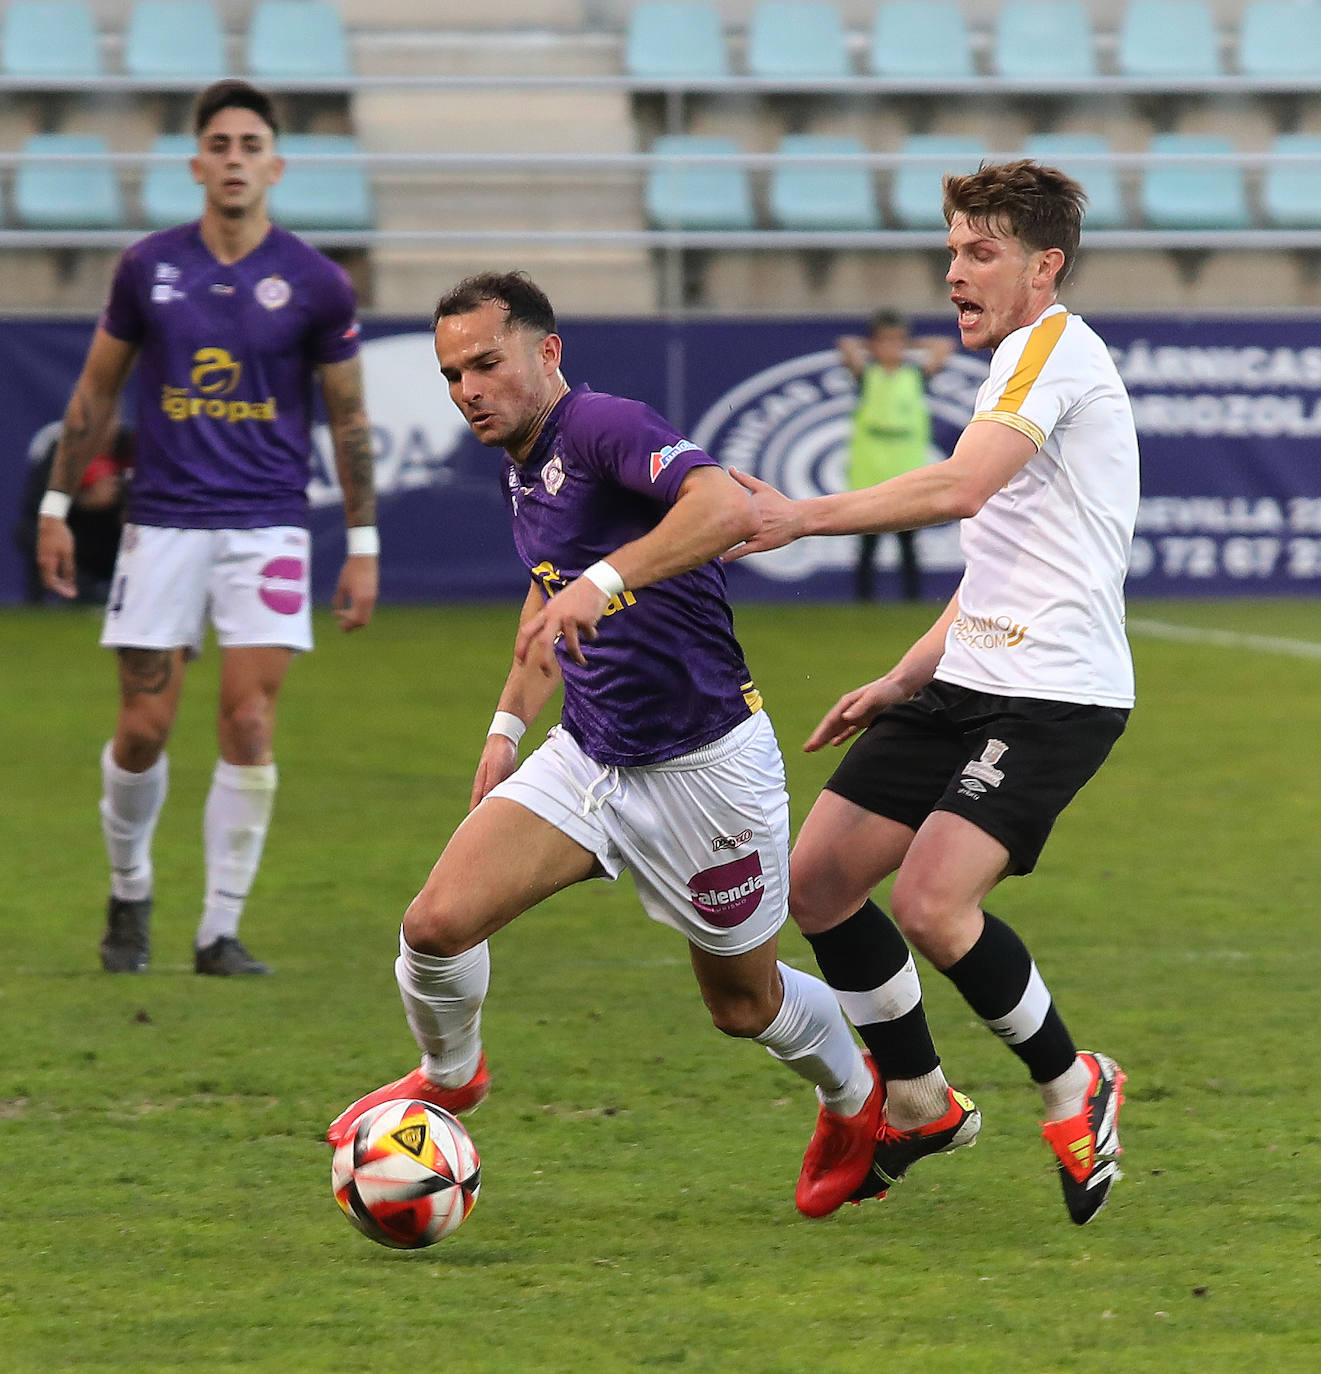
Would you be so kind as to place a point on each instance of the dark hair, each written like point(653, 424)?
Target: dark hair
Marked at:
point(1039, 206)
point(526, 304)
point(232, 94)
point(886, 319)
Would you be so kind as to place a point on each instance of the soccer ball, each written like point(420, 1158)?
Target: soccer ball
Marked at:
point(408, 1174)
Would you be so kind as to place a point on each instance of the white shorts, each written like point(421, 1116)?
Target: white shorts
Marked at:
point(254, 585)
point(706, 835)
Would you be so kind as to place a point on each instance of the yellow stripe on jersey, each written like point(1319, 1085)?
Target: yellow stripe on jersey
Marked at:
point(1018, 422)
point(752, 696)
point(1040, 343)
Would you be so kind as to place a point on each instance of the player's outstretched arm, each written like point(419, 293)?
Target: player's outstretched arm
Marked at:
point(350, 434)
point(525, 694)
point(856, 710)
point(985, 458)
point(708, 515)
point(87, 418)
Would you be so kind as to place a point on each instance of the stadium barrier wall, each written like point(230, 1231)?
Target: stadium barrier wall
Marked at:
point(1228, 412)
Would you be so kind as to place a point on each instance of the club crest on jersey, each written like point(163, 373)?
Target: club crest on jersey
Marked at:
point(662, 459)
point(166, 271)
point(272, 292)
point(552, 475)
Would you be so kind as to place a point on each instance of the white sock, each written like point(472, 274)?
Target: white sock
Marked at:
point(443, 1002)
point(811, 1036)
point(130, 806)
point(1066, 1095)
point(234, 824)
point(914, 1102)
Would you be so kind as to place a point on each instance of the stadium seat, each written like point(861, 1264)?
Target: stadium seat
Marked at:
point(51, 38)
point(1047, 40)
point(920, 38)
point(169, 193)
point(288, 39)
point(916, 197)
point(675, 38)
point(1291, 191)
point(1168, 39)
point(1105, 203)
point(321, 195)
point(1281, 38)
point(66, 195)
point(789, 38)
point(174, 38)
point(698, 196)
point(825, 197)
point(1195, 196)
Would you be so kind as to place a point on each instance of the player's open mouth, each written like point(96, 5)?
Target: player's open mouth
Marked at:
point(969, 311)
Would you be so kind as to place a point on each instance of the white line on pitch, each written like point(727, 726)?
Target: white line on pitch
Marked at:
point(1226, 639)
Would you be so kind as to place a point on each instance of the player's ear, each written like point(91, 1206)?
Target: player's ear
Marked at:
point(277, 170)
point(195, 167)
point(1051, 265)
point(551, 349)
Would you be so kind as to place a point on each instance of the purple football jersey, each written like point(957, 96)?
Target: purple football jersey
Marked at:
point(665, 674)
point(225, 365)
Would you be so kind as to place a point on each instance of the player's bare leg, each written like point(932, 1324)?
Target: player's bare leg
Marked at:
point(500, 862)
point(135, 779)
point(239, 802)
point(797, 1018)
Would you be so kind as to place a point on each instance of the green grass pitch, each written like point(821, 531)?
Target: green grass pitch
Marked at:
point(164, 1189)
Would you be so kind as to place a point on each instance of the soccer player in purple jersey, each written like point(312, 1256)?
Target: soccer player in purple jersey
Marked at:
point(229, 319)
point(663, 762)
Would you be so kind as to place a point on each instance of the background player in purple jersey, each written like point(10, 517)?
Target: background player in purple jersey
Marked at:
point(663, 762)
point(229, 319)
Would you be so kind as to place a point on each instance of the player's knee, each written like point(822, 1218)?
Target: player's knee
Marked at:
point(741, 1015)
point(919, 911)
point(815, 900)
point(140, 737)
point(246, 729)
point(432, 926)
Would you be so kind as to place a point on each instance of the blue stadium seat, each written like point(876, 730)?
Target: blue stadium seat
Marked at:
point(1045, 40)
point(169, 193)
point(1195, 196)
point(920, 38)
point(1105, 203)
point(174, 38)
point(321, 195)
point(1281, 38)
point(826, 197)
point(1168, 38)
point(675, 38)
point(698, 196)
point(288, 39)
point(916, 197)
point(796, 38)
point(52, 38)
point(1291, 192)
point(66, 195)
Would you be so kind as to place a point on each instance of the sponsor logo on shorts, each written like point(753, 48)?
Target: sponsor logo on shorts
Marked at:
point(984, 767)
point(730, 841)
point(728, 894)
point(281, 585)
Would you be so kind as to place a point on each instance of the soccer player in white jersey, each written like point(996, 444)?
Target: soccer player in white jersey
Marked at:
point(228, 319)
point(974, 742)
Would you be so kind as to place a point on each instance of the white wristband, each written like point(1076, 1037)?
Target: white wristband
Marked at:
point(364, 541)
point(506, 723)
point(55, 504)
point(604, 576)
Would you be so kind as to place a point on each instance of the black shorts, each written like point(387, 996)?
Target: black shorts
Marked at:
point(1009, 765)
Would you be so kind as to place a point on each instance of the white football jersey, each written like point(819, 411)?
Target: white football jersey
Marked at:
point(1041, 603)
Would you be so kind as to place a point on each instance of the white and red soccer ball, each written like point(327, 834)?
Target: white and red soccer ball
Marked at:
point(407, 1175)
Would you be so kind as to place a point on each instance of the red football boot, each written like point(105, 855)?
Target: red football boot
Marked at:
point(416, 1085)
point(839, 1155)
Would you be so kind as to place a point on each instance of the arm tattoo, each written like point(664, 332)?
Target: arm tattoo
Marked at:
point(342, 387)
point(75, 446)
point(145, 672)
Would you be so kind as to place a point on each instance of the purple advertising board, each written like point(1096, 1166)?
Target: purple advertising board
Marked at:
point(1228, 414)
